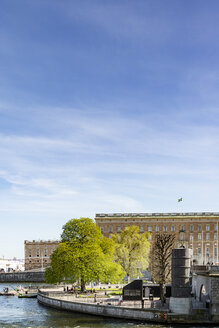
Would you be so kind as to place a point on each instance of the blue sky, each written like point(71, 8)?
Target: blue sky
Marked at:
point(105, 106)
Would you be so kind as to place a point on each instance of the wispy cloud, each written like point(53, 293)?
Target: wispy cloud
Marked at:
point(136, 22)
point(102, 163)
point(106, 107)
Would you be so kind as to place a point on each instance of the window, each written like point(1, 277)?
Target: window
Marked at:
point(215, 227)
point(150, 228)
point(173, 228)
point(207, 227)
point(165, 228)
point(215, 236)
point(199, 228)
point(182, 228)
point(101, 229)
point(110, 236)
point(118, 229)
point(110, 229)
point(207, 236)
point(45, 252)
point(191, 228)
point(150, 237)
point(207, 250)
point(182, 236)
point(199, 236)
point(191, 237)
point(215, 251)
point(157, 228)
point(199, 250)
point(141, 229)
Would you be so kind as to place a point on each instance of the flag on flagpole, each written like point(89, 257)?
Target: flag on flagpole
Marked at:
point(180, 200)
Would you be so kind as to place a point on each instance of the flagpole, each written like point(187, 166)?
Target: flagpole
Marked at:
point(180, 200)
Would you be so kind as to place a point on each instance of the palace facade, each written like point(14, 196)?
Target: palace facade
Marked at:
point(197, 231)
point(37, 253)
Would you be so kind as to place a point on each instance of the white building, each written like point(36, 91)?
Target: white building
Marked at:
point(7, 265)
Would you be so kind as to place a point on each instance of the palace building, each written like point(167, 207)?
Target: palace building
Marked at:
point(194, 230)
point(37, 254)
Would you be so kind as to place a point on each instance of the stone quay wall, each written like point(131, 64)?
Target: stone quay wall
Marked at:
point(61, 301)
point(215, 298)
point(57, 301)
point(22, 277)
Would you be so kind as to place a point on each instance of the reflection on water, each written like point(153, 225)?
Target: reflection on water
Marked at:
point(22, 312)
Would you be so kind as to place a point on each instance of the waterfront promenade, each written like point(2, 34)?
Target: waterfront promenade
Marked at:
point(100, 307)
point(114, 309)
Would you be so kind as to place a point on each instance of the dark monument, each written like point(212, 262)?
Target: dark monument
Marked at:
point(181, 286)
point(133, 291)
point(180, 300)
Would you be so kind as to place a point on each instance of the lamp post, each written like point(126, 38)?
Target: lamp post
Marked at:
point(42, 263)
point(182, 237)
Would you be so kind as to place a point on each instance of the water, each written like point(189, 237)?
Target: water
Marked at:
point(22, 312)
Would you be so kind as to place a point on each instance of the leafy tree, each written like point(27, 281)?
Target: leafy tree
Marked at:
point(83, 255)
point(160, 260)
point(132, 250)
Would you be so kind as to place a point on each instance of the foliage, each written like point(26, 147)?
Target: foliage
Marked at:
point(80, 230)
point(83, 255)
point(132, 250)
point(160, 260)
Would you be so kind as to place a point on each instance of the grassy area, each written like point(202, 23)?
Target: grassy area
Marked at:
point(116, 292)
point(84, 295)
point(104, 290)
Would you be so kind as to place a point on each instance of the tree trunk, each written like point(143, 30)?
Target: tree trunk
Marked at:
point(82, 284)
point(162, 298)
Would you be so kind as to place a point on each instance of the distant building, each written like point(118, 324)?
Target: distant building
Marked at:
point(197, 231)
point(9, 265)
point(37, 253)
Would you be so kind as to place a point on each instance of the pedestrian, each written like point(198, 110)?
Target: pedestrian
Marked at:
point(120, 300)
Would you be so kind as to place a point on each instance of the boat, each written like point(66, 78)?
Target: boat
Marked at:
point(7, 292)
point(27, 295)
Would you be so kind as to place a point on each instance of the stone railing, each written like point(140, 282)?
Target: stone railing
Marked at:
point(99, 215)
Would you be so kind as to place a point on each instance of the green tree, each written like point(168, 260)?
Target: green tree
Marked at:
point(160, 260)
point(83, 255)
point(132, 251)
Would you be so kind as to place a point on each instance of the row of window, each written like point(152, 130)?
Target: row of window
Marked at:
point(191, 237)
point(44, 253)
point(207, 251)
point(38, 261)
point(172, 229)
point(200, 236)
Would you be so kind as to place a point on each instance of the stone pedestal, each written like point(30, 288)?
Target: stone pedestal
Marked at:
point(180, 305)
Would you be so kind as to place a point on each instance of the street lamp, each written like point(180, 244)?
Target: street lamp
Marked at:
point(182, 237)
